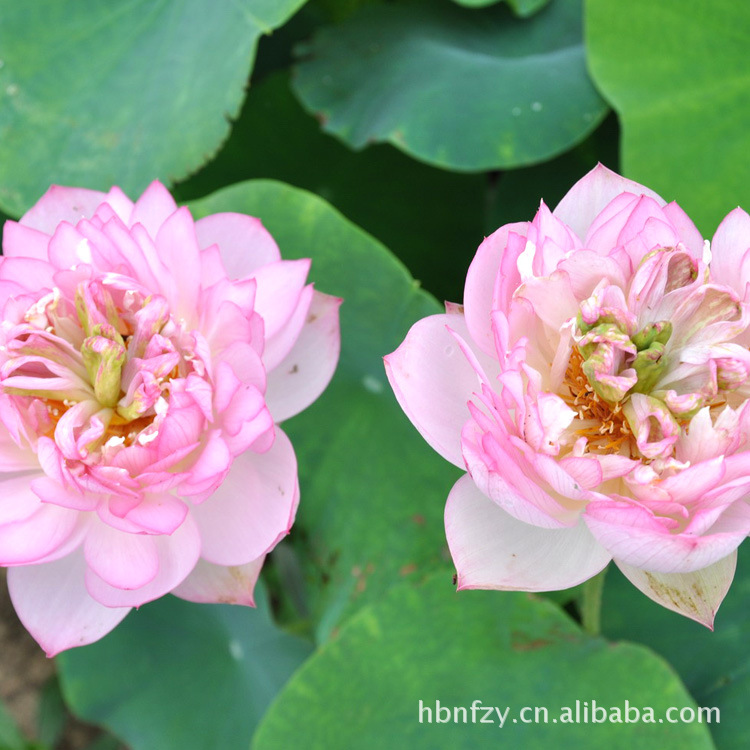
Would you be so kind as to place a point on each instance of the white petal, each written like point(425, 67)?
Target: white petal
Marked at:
point(696, 595)
point(178, 555)
point(586, 199)
point(307, 369)
point(52, 602)
point(434, 381)
point(254, 507)
point(209, 583)
point(492, 550)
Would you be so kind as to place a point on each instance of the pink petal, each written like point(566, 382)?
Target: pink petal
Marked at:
point(212, 266)
point(479, 290)
point(244, 242)
point(730, 261)
point(17, 502)
point(552, 299)
point(31, 274)
point(14, 458)
point(178, 555)
point(515, 486)
point(492, 550)
point(217, 584)
point(20, 241)
point(696, 595)
point(159, 513)
point(635, 537)
point(207, 473)
point(279, 288)
point(586, 269)
point(36, 535)
point(51, 491)
point(433, 382)
point(588, 197)
point(68, 247)
point(63, 204)
point(688, 232)
point(54, 606)
point(278, 346)
point(308, 368)
point(126, 561)
point(178, 250)
point(153, 208)
point(253, 508)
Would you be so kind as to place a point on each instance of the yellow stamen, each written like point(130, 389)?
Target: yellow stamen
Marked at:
point(606, 428)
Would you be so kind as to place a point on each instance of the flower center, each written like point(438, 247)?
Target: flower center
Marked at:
point(645, 359)
point(99, 362)
point(604, 426)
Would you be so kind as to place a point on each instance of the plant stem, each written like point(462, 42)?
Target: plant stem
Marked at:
point(590, 603)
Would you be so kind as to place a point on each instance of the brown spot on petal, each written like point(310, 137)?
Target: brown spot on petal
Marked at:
point(682, 600)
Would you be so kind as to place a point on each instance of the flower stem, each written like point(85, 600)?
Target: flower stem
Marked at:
point(590, 603)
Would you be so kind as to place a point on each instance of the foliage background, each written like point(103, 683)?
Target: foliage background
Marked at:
point(427, 124)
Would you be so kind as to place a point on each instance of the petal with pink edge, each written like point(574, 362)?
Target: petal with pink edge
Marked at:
point(52, 602)
point(634, 536)
point(29, 273)
point(17, 502)
point(586, 199)
point(37, 536)
point(730, 259)
point(153, 208)
point(15, 458)
point(696, 595)
point(492, 550)
point(308, 368)
point(254, 507)
point(688, 232)
point(161, 513)
point(479, 291)
point(245, 243)
point(24, 242)
point(433, 382)
point(281, 343)
point(279, 286)
point(126, 561)
point(178, 250)
point(178, 555)
point(62, 204)
point(219, 584)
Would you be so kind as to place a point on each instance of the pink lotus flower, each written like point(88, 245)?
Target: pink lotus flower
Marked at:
point(595, 387)
point(145, 360)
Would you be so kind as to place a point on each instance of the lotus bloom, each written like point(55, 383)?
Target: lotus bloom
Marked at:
point(145, 360)
point(595, 387)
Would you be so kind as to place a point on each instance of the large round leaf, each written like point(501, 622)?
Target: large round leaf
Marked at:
point(379, 683)
point(95, 93)
point(373, 492)
point(715, 666)
point(182, 676)
point(521, 8)
point(460, 88)
point(432, 219)
point(676, 72)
